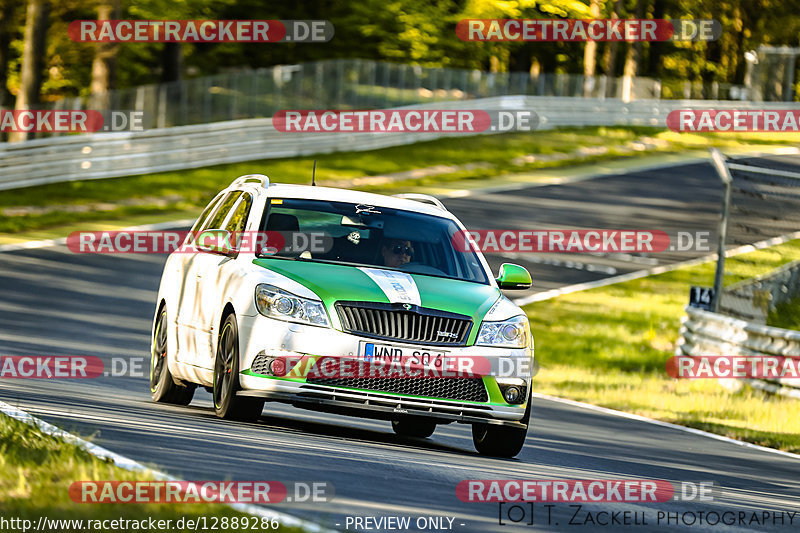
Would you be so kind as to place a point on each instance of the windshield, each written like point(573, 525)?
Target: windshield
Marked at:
point(364, 235)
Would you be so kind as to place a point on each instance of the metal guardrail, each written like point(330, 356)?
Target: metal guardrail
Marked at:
point(704, 333)
point(104, 155)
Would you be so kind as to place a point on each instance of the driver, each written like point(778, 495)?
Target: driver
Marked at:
point(397, 253)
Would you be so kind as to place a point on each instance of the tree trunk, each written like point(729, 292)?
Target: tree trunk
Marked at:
point(172, 62)
point(32, 60)
point(655, 50)
point(590, 55)
point(104, 66)
point(6, 18)
point(610, 56)
point(632, 58)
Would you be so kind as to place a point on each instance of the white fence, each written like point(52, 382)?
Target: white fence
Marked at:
point(104, 155)
point(709, 334)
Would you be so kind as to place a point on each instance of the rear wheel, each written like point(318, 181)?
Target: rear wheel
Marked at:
point(163, 388)
point(501, 441)
point(413, 427)
point(226, 378)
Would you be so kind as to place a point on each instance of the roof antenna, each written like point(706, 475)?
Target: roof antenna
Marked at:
point(313, 173)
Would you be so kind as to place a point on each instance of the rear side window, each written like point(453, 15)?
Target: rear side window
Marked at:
point(238, 220)
point(224, 207)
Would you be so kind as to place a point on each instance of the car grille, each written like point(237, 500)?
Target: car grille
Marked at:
point(403, 322)
point(464, 389)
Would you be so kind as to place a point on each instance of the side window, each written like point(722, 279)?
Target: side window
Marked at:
point(238, 220)
point(224, 207)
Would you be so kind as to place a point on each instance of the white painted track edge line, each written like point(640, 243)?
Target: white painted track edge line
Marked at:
point(121, 461)
point(640, 418)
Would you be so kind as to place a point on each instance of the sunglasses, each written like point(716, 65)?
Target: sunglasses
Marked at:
point(402, 250)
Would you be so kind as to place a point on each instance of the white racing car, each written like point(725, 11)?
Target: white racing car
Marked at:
point(355, 278)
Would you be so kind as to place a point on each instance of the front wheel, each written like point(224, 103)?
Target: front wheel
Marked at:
point(163, 388)
point(226, 378)
point(501, 441)
point(413, 427)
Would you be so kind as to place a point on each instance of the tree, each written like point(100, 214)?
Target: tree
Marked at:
point(36, 23)
point(632, 57)
point(8, 10)
point(590, 54)
point(104, 65)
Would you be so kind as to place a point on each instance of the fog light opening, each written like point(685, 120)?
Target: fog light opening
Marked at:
point(512, 394)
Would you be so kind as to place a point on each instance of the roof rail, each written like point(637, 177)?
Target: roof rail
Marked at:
point(252, 178)
point(425, 198)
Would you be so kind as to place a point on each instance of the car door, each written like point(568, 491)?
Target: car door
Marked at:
point(215, 275)
point(195, 264)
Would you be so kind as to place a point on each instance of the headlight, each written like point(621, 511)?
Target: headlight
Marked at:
point(511, 333)
point(277, 303)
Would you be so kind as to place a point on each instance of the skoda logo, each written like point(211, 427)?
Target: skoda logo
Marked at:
point(407, 307)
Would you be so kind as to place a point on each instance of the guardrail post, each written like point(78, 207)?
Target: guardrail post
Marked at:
point(725, 175)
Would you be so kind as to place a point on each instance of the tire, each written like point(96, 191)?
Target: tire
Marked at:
point(163, 388)
point(501, 441)
point(413, 427)
point(226, 378)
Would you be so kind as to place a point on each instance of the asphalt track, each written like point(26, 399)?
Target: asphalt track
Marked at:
point(58, 303)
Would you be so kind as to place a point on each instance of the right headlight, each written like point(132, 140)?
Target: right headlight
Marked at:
point(511, 333)
point(283, 305)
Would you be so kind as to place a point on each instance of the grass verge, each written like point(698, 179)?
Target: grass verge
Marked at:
point(36, 471)
point(608, 346)
point(474, 160)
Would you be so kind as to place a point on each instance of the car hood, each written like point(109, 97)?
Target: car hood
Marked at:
point(334, 283)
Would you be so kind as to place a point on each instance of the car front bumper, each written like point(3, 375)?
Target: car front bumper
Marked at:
point(268, 337)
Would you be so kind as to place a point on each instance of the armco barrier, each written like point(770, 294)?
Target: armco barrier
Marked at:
point(104, 155)
point(704, 333)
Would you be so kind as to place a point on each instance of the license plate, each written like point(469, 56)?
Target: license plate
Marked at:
point(388, 353)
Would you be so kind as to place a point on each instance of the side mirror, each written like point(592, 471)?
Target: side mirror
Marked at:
point(216, 241)
point(513, 277)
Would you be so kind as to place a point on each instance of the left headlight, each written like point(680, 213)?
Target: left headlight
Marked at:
point(278, 303)
point(511, 333)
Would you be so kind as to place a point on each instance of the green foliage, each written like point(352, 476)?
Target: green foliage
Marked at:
point(412, 32)
point(786, 315)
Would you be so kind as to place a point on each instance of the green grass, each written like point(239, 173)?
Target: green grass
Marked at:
point(608, 346)
point(786, 315)
point(189, 190)
point(36, 471)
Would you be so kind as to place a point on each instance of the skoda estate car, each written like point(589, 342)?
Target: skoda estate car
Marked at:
point(386, 280)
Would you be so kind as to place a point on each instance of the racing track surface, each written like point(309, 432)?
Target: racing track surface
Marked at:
point(58, 303)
